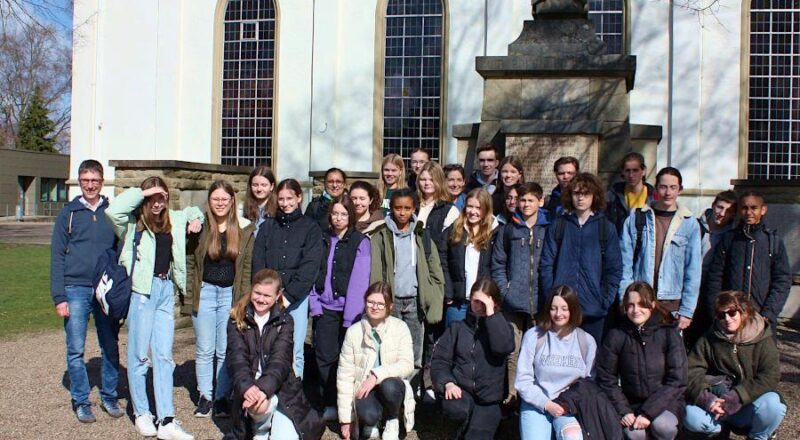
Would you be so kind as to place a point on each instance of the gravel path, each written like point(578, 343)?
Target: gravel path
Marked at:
point(34, 400)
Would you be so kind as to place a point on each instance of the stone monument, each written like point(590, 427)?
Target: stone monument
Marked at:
point(557, 93)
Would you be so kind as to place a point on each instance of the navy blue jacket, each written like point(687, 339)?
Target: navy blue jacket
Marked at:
point(578, 264)
point(515, 264)
point(453, 261)
point(74, 250)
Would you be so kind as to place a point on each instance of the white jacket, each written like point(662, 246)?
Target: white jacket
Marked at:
point(358, 357)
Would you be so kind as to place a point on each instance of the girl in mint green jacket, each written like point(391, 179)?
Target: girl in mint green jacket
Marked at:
point(160, 267)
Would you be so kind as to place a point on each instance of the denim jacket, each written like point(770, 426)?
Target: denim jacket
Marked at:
point(680, 271)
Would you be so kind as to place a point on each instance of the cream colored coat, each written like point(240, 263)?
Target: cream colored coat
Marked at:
point(358, 357)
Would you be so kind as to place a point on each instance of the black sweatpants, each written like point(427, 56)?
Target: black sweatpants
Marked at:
point(479, 422)
point(384, 400)
point(328, 339)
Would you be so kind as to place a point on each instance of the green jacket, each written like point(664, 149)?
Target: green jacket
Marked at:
point(123, 220)
point(197, 247)
point(753, 365)
point(430, 278)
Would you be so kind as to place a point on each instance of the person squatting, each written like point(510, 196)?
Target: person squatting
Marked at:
point(587, 313)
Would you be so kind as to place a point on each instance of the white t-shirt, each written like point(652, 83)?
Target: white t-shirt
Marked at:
point(261, 321)
point(471, 258)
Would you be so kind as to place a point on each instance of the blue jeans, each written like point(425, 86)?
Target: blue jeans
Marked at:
point(211, 338)
point(81, 302)
point(762, 417)
point(538, 425)
point(151, 329)
point(299, 313)
point(455, 312)
point(273, 425)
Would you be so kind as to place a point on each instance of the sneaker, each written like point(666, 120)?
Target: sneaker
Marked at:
point(330, 414)
point(429, 397)
point(85, 414)
point(391, 431)
point(203, 408)
point(173, 431)
point(144, 425)
point(111, 407)
point(370, 432)
point(222, 408)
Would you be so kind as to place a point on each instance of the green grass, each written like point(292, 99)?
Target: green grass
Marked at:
point(25, 302)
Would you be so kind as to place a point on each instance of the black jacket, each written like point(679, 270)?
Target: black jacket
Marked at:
point(344, 256)
point(587, 402)
point(434, 225)
point(744, 261)
point(317, 210)
point(472, 354)
point(453, 261)
point(651, 366)
point(616, 209)
point(292, 245)
point(273, 349)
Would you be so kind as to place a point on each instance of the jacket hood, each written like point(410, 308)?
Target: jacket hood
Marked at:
point(476, 174)
point(284, 219)
point(681, 211)
point(541, 219)
point(752, 229)
point(76, 205)
point(393, 226)
point(754, 331)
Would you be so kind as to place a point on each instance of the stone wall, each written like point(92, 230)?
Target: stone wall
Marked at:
point(539, 152)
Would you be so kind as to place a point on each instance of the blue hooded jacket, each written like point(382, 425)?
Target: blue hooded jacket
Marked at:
point(578, 263)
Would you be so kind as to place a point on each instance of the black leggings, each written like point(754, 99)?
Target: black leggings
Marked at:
point(384, 400)
point(479, 422)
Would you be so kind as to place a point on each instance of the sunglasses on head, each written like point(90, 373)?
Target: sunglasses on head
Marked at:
point(731, 313)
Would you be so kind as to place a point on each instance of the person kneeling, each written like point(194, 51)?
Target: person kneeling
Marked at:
point(268, 398)
point(376, 362)
point(469, 361)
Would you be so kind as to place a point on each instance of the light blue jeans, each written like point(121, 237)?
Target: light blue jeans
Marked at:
point(273, 425)
point(82, 303)
point(151, 329)
point(455, 312)
point(762, 417)
point(299, 313)
point(537, 425)
point(211, 340)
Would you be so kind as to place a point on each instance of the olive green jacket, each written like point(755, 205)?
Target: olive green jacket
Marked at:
point(754, 365)
point(196, 250)
point(430, 278)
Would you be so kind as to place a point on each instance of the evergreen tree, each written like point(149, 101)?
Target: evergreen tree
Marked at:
point(35, 127)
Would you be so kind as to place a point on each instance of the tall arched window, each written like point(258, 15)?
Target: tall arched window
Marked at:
point(773, 134)
point(248, 72)
point(413, 76)
point(608, 17)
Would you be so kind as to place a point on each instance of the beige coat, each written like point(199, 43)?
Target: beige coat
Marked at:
point(358, 356)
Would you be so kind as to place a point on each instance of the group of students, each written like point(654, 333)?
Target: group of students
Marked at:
point(479, 293)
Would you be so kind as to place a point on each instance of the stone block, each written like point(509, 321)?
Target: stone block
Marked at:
point(538, 152)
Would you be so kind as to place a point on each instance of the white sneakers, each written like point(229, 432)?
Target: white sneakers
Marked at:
point(391, 431)
point(173, 431)
point(330, 414)
point(370, 432)
point(144, 426)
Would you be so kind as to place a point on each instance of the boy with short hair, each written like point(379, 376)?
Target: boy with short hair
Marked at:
point(406, 258)
point(486, 175)
point(81, 235)
point(565, 169)
point(752, 258)
point(715, 222)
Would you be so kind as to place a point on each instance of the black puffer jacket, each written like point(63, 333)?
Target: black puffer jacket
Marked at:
point(651, 365)
point(472, 354)
point(744, 261)
point(455, 277)
point(291, 244)
point(591, 407)
point(273, 349)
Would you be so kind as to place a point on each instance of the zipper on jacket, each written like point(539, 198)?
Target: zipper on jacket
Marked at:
point(736, 358)
point(531, 252)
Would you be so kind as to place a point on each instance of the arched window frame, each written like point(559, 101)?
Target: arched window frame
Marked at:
point(216, 122)
point(380, 78)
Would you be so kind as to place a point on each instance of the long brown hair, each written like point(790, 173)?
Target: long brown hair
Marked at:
point(158, 224)
point(483, 238)
point(647, 299)
point(250, 202)
point(213, 241)
point(569, 296)
point(371, 191)
point(440, 193)
point(738, 300)
point(264, 276)
point(489, 287)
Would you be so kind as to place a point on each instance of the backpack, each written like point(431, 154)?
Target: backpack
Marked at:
point(112, 284)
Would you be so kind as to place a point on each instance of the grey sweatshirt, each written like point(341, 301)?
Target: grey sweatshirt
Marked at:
point(405, 259)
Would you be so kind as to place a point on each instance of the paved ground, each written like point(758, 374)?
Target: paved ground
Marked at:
point(34, 400)
point(25, 232)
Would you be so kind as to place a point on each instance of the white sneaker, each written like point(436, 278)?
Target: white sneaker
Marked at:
point(173, 431)
point(391, 431)
point(330, 414)
point(369, 432)
point(144, 425)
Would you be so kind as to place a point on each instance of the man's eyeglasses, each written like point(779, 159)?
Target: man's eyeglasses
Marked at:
point(88, 181)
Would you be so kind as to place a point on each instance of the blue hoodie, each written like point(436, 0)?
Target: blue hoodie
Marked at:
point(577, 264)
point(75, 249)
point(515, 263)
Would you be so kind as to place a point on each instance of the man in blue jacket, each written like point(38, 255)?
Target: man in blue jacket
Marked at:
point(81, 234)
